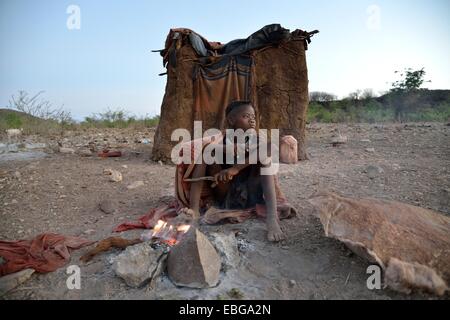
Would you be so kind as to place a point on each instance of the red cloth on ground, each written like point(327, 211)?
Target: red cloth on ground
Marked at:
point(45, 253)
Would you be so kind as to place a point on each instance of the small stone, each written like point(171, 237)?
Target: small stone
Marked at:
point(115, 176)
point(160, 162)
point(125, 166)
point(135, 185)
point(108, 206)
point(85, 152)
point(371, 150)
point(365, 140)
point(17, 175)
point(140, 264)
point(292, 283)
point(339, 139)
point(226, 245)
point(66, 150)
point(14, 201)
point(89, 231)
point(373, 171)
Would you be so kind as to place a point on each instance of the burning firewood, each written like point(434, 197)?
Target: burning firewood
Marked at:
point(169, 232)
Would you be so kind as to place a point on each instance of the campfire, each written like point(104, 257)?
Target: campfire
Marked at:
point(166, 233)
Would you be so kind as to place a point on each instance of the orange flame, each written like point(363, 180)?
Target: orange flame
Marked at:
point(169, 234)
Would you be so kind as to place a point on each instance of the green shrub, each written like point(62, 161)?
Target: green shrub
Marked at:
point(118, 119)
point(13, 121)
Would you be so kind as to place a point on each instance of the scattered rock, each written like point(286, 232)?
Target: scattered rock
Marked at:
point(339, 139)
point(408, 241)
point(12, 148)
point(17, 175)
point(135, 185)
point(32, 146)
point(66, 150)
point(3, 147)
point(226, 245)
point(108, 206)
point(11, 281)
point(115, 176)
point(85, 152)
point(194, 262)
point(371, 150)
point(140, 264)
point(373, 171)
point(14, 201)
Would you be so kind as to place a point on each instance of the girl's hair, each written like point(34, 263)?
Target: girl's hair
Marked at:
point(235, 105)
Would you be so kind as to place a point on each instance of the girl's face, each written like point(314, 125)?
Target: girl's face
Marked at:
point(244, 118)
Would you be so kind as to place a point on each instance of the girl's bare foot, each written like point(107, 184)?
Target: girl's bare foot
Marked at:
point(190, 213)
point(274, 233)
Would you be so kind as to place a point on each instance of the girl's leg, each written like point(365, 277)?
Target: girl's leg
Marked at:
point(196, 189)
point(273, 227)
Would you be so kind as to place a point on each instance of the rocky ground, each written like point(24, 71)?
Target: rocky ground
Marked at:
point(56, 185)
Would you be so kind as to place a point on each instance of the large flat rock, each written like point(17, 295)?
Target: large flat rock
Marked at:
point(410, 243)
point(194, 262)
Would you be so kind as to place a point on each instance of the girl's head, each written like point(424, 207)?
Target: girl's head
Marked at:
point(241, 115)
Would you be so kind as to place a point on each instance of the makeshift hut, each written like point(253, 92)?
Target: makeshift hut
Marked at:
point(268, 68)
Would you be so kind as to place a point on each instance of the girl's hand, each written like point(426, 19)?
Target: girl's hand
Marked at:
point(225, 175)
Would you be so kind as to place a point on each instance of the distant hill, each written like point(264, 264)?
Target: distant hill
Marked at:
point(4, 113)
point(423, 99)
point(420, 105)
point(11, 119)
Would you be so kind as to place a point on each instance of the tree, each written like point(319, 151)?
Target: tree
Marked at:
point(404, 92)
point(411, 80)
point(320, 97)
point(367, 94)
point(355, 95)
point(39, 107)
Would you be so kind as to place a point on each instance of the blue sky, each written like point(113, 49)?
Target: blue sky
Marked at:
point(108, 63)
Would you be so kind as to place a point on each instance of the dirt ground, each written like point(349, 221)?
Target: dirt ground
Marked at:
point(47, 191)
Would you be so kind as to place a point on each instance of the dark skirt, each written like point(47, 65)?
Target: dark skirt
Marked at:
point(245, 190)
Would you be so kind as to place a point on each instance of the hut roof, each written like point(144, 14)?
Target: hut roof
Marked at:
point(267, 36)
